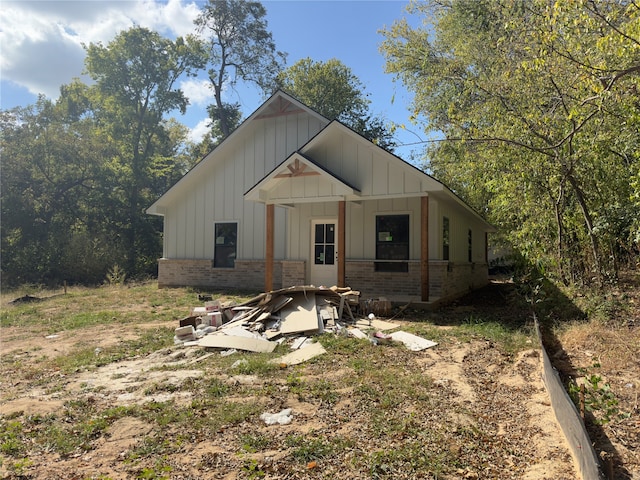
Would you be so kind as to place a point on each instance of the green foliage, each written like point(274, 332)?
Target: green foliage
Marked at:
point(78, 173)
point(305, 448)
point(252, 443)
point(116, 275)
point(238, 47)
point(537, 104)
point(11, 438)
point(335, 92)
point(599, 399)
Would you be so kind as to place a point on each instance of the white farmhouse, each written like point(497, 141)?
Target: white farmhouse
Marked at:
point(292, 198)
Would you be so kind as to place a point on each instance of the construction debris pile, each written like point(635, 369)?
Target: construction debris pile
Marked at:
point(290, 315)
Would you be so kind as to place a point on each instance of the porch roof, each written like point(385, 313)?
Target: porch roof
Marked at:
point(298, 179)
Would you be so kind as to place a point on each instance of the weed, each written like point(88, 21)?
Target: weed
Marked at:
point(11, 441)
point(252, 443)
point(296, 384)
point(19, 467)
point(216, 388)
point(339, 345)
point(599, 399)
point(410, 458)
point(324, 391)
point(252, 469)
point(116, 275)
point(256, 365)
point(151, 446)
point(306, 448)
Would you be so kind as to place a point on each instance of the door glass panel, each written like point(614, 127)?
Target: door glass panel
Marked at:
point(329, 256)
point(331, 233)
point(320, 233)
point(319, 255)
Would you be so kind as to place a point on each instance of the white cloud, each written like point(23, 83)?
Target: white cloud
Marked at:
point(42, 40)
point(198, 92)
point(200, 130)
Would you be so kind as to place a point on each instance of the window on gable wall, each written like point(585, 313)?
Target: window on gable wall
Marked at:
point(470, 247)
point(445, 238)
point(225, 244)
point(392, 243)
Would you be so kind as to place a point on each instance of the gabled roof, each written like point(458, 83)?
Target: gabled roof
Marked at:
point(294, 169)
point(279, 104)
point(299, 165)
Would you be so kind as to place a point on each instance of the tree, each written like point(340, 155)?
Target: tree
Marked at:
point(135, 76)
point(536, 103)
point(53, 227)
point(335, 92)
point(238, 47)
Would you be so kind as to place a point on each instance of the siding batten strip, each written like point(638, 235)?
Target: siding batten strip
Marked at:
point(268, 280)
point(424, 248)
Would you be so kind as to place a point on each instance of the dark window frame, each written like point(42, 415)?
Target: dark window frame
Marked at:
point(393, 234)
point(446, 237)
point(225, 246)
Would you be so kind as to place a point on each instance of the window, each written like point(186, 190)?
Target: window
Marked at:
point(392, 243)
point(470, 247)
point(225, 249)
point(445, 238)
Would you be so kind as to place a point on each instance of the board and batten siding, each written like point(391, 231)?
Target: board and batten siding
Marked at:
point(459, 226)
point(217, 195)
point(371, 170)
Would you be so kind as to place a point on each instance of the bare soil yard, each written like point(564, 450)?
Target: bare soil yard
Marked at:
point(116, 399)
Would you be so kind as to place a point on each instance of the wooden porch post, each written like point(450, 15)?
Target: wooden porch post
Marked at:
point(268, 277)
point(424, 248)
point(341, 244)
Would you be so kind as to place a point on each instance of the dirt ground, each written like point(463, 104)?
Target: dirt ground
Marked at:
point(480, 396)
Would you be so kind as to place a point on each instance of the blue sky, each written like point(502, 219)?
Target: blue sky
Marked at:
point(41, 47)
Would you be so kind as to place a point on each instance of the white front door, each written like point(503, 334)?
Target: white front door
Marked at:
point(324, 254)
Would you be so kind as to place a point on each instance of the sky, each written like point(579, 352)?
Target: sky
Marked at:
point(41, 48)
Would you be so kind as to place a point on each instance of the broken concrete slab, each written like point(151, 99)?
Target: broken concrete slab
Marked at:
point(412, 342)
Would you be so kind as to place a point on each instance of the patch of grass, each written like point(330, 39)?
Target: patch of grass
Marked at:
point(256, 364)
point(149, 341)
point(150, 446)
point(12, 440)
point(252, 443)
point(341, 345)
point(83, 307)
point(324, 391)
point(305, 448)
point(216, 388)
point(410, 458)
point(508, 340)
